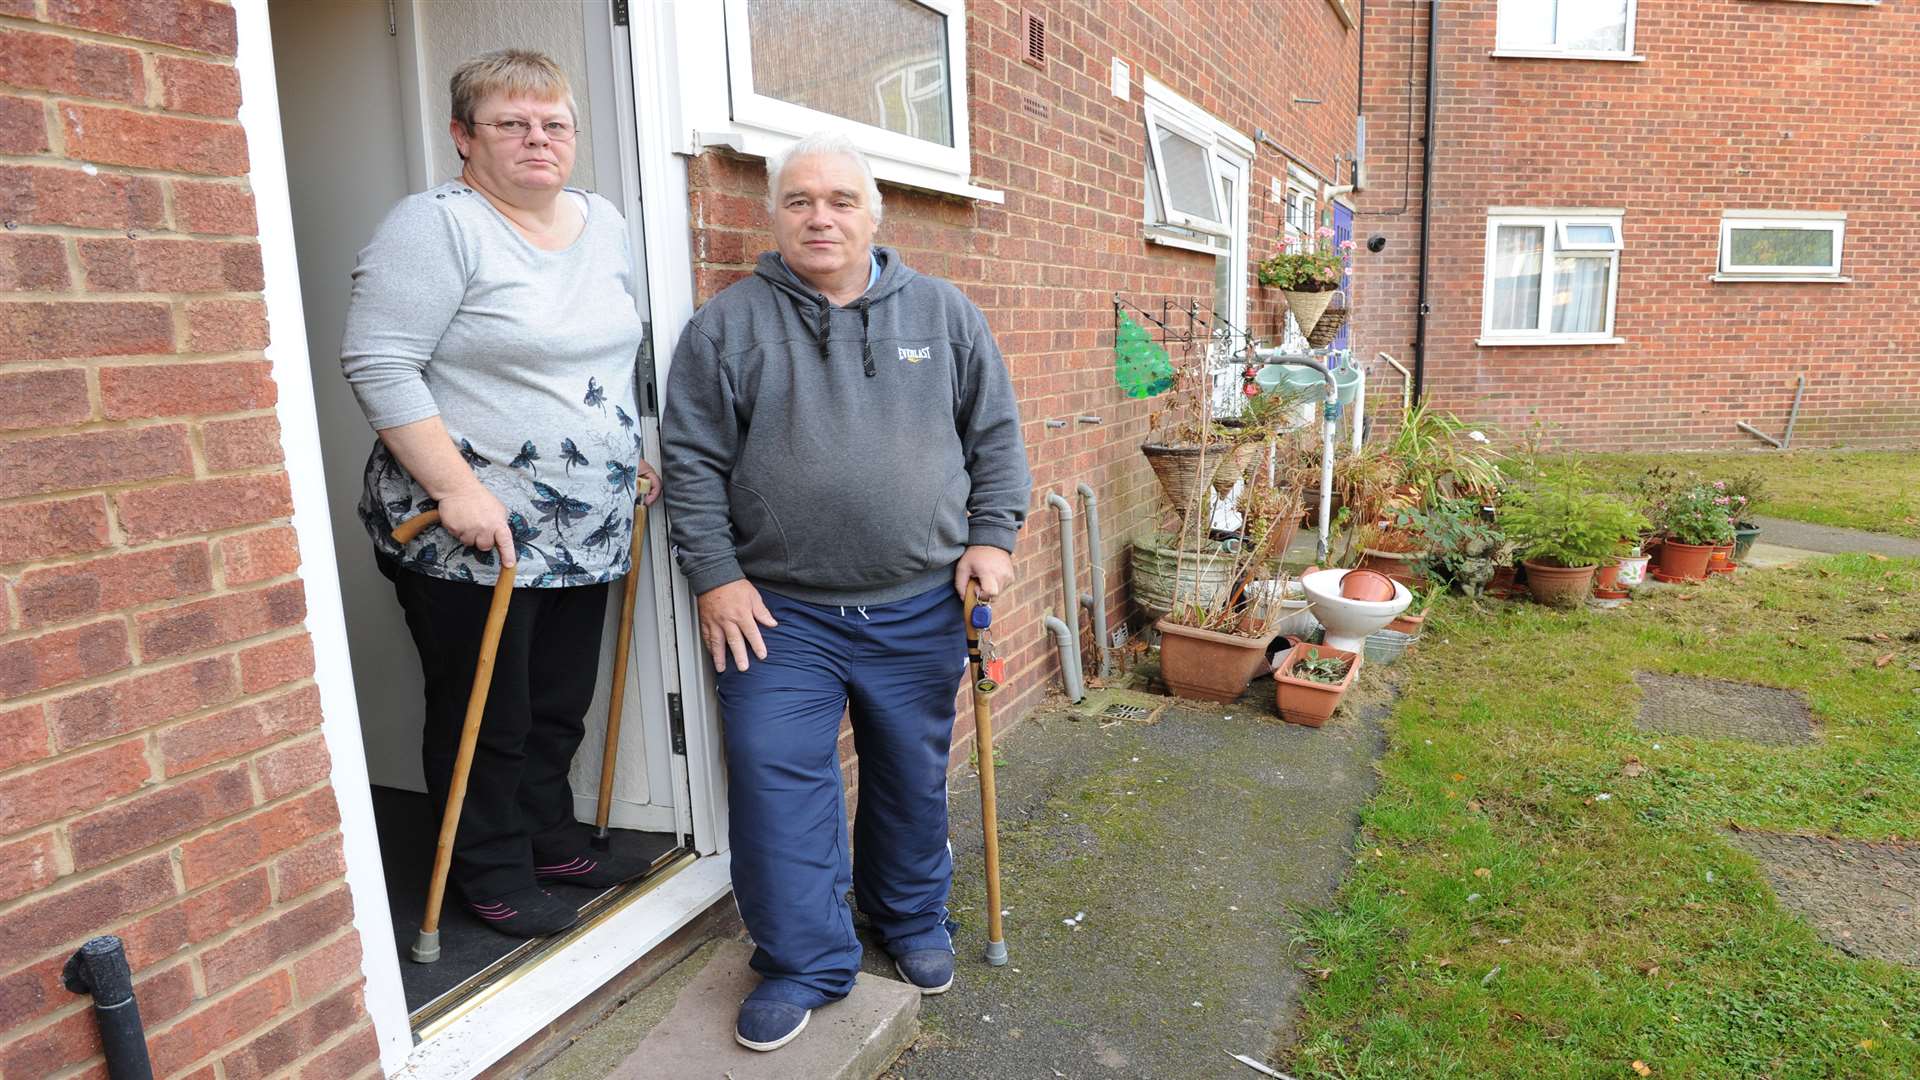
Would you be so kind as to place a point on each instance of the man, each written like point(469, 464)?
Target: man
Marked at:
point(843, 455)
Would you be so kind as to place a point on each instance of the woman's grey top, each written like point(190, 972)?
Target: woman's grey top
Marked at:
point(528, 358)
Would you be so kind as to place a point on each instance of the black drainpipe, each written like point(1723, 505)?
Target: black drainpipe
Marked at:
point(1426, 200)
point(100, 968)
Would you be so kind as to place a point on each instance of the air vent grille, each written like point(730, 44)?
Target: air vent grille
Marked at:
point(1036, 40)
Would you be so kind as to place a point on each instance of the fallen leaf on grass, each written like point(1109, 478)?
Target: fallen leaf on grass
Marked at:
point(1882, 635)
point(1473, 805)
point(1482, 872)
point(1883, 661)
point(1876, 557)
point(1641, 1068)
point(1633, 767)
point(1458, 777)
point(1866, 1044)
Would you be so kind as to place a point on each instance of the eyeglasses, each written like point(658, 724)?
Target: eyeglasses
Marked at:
point(556, 130)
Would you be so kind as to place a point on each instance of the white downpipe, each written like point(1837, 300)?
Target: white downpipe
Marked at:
point(1359, 406)
point(1097, 602)
point(1069, 645)
point(1329, 434)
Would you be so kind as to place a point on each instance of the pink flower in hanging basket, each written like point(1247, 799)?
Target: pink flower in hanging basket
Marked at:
point(1251, 389)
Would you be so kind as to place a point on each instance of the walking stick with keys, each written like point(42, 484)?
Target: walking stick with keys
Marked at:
point(610, 753)
point(987, 671)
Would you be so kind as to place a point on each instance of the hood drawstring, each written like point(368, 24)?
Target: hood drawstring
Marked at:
point(866, 342)
point(823, 327)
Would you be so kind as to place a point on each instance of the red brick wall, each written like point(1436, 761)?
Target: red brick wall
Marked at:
point(1740, 104)
point(1045, 265)
point(162, 776)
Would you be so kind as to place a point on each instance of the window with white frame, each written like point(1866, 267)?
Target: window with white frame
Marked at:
point(1598, 29)
point(1550, 277)
point(1758, 245)
point(1198, 171)
point(891, 73)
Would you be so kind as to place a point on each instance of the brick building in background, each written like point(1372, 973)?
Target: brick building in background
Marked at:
point(181, 754)
point(162, 774)
point(1750, 167)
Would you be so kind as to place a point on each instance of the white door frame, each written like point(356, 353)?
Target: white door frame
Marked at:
point(492, 1030)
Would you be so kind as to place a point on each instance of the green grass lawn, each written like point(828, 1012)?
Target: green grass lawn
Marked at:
point(1877, 490)
point(1523, 907)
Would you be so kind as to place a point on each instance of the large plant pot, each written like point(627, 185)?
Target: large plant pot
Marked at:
point(1303, 701)
point(1633, 571)
point(1676, 561)
point(1558, 586)
point(1161, 575)
point(1208, 666)
point(1743, 537)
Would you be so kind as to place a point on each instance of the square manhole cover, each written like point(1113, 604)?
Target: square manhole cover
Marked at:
point(1718, 709)
point(1863, 898)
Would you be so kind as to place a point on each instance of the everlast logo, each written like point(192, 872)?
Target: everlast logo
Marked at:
point(914, 356)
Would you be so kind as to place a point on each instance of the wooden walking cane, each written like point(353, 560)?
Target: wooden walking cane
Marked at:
point(426, 947)
point(611, 751)
point(979, 619)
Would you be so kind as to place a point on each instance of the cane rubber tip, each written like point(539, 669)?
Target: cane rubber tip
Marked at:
point(601, 842)
point(996, 953)
point(426, 947)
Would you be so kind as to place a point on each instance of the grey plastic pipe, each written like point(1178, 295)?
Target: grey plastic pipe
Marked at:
point(1069, 644)
point(1329, 431)
point(1097, 602)
point(1069, 578)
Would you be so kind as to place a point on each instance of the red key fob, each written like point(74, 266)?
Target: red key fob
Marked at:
point(995, 669)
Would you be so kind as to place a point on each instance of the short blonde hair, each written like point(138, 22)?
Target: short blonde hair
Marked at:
point(508, 71)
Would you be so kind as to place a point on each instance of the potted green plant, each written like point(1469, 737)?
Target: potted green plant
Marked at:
point(1308, 273)
point(1744, 491)
point(1310, 682)
point(1564, 534)
point(1693, 521)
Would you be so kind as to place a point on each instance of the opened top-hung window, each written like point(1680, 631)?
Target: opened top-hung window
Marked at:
point(1570, 26)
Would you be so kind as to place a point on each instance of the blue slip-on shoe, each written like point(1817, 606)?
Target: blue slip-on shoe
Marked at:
point(766, 1024)
point(929, 969)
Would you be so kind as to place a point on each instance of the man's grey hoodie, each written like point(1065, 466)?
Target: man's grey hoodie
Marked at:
point(839, 455)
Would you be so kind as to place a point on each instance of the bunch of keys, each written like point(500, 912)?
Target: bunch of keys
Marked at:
point(993, 669)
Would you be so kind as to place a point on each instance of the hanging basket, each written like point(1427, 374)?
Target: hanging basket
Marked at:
point(1327, 328)
point(1307, 307)
point(1178, 470)
point(1233, 466)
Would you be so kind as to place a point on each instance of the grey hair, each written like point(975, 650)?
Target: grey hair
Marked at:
point(830, 143)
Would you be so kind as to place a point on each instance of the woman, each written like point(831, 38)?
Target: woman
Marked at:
point(491, 340)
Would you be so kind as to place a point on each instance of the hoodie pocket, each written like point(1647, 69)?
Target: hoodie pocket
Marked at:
point(947, 534)
point(759, 541)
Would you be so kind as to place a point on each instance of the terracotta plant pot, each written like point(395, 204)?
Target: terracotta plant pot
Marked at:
point(1370, 586)
point(1744, 534)
point(1398, 565)
point(1303, 701)
point(1721, 561)
point(1558, 586)
point(1505, 582)
point(1676, 561)
point(1205, 665)
point(1408, 624)
point(1608, 576)
point(1608, 598)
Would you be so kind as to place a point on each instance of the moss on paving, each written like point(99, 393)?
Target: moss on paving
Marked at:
point(1876, 490)
point(1190, 846)
point(1546, 890)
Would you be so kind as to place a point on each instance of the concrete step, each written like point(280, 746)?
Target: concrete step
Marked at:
point(852, 1039)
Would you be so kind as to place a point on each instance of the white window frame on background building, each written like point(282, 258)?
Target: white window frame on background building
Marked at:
point(1504, 45)
point(1231, 155)
point(1554, 224)
point(717, 104)
point(1733, 221)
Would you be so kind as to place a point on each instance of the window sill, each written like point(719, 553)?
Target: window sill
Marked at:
point(1185, 243)
point(1548, 54)
point(1850, 3)
point(1803, 279)
point(1551, 339)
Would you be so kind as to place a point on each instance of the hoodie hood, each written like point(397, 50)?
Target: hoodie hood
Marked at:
point(813, 306)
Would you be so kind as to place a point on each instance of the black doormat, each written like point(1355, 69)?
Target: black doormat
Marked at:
point(408, 824)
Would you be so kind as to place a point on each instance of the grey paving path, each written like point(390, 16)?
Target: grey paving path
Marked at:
point(1153, 876)
point(1827, 538)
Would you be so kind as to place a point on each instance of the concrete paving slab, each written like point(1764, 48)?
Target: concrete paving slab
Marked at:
point(1772, 556)
point(1721, 709)
point(1832, 540)
point(852, 1039)
point(1860, 896)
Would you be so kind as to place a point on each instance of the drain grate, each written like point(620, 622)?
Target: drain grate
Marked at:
point(1120, 711)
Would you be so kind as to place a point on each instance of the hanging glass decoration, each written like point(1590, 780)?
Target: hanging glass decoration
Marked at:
point(1141, 367)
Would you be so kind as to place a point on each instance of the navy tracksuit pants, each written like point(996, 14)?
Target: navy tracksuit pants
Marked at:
point(896, 668)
